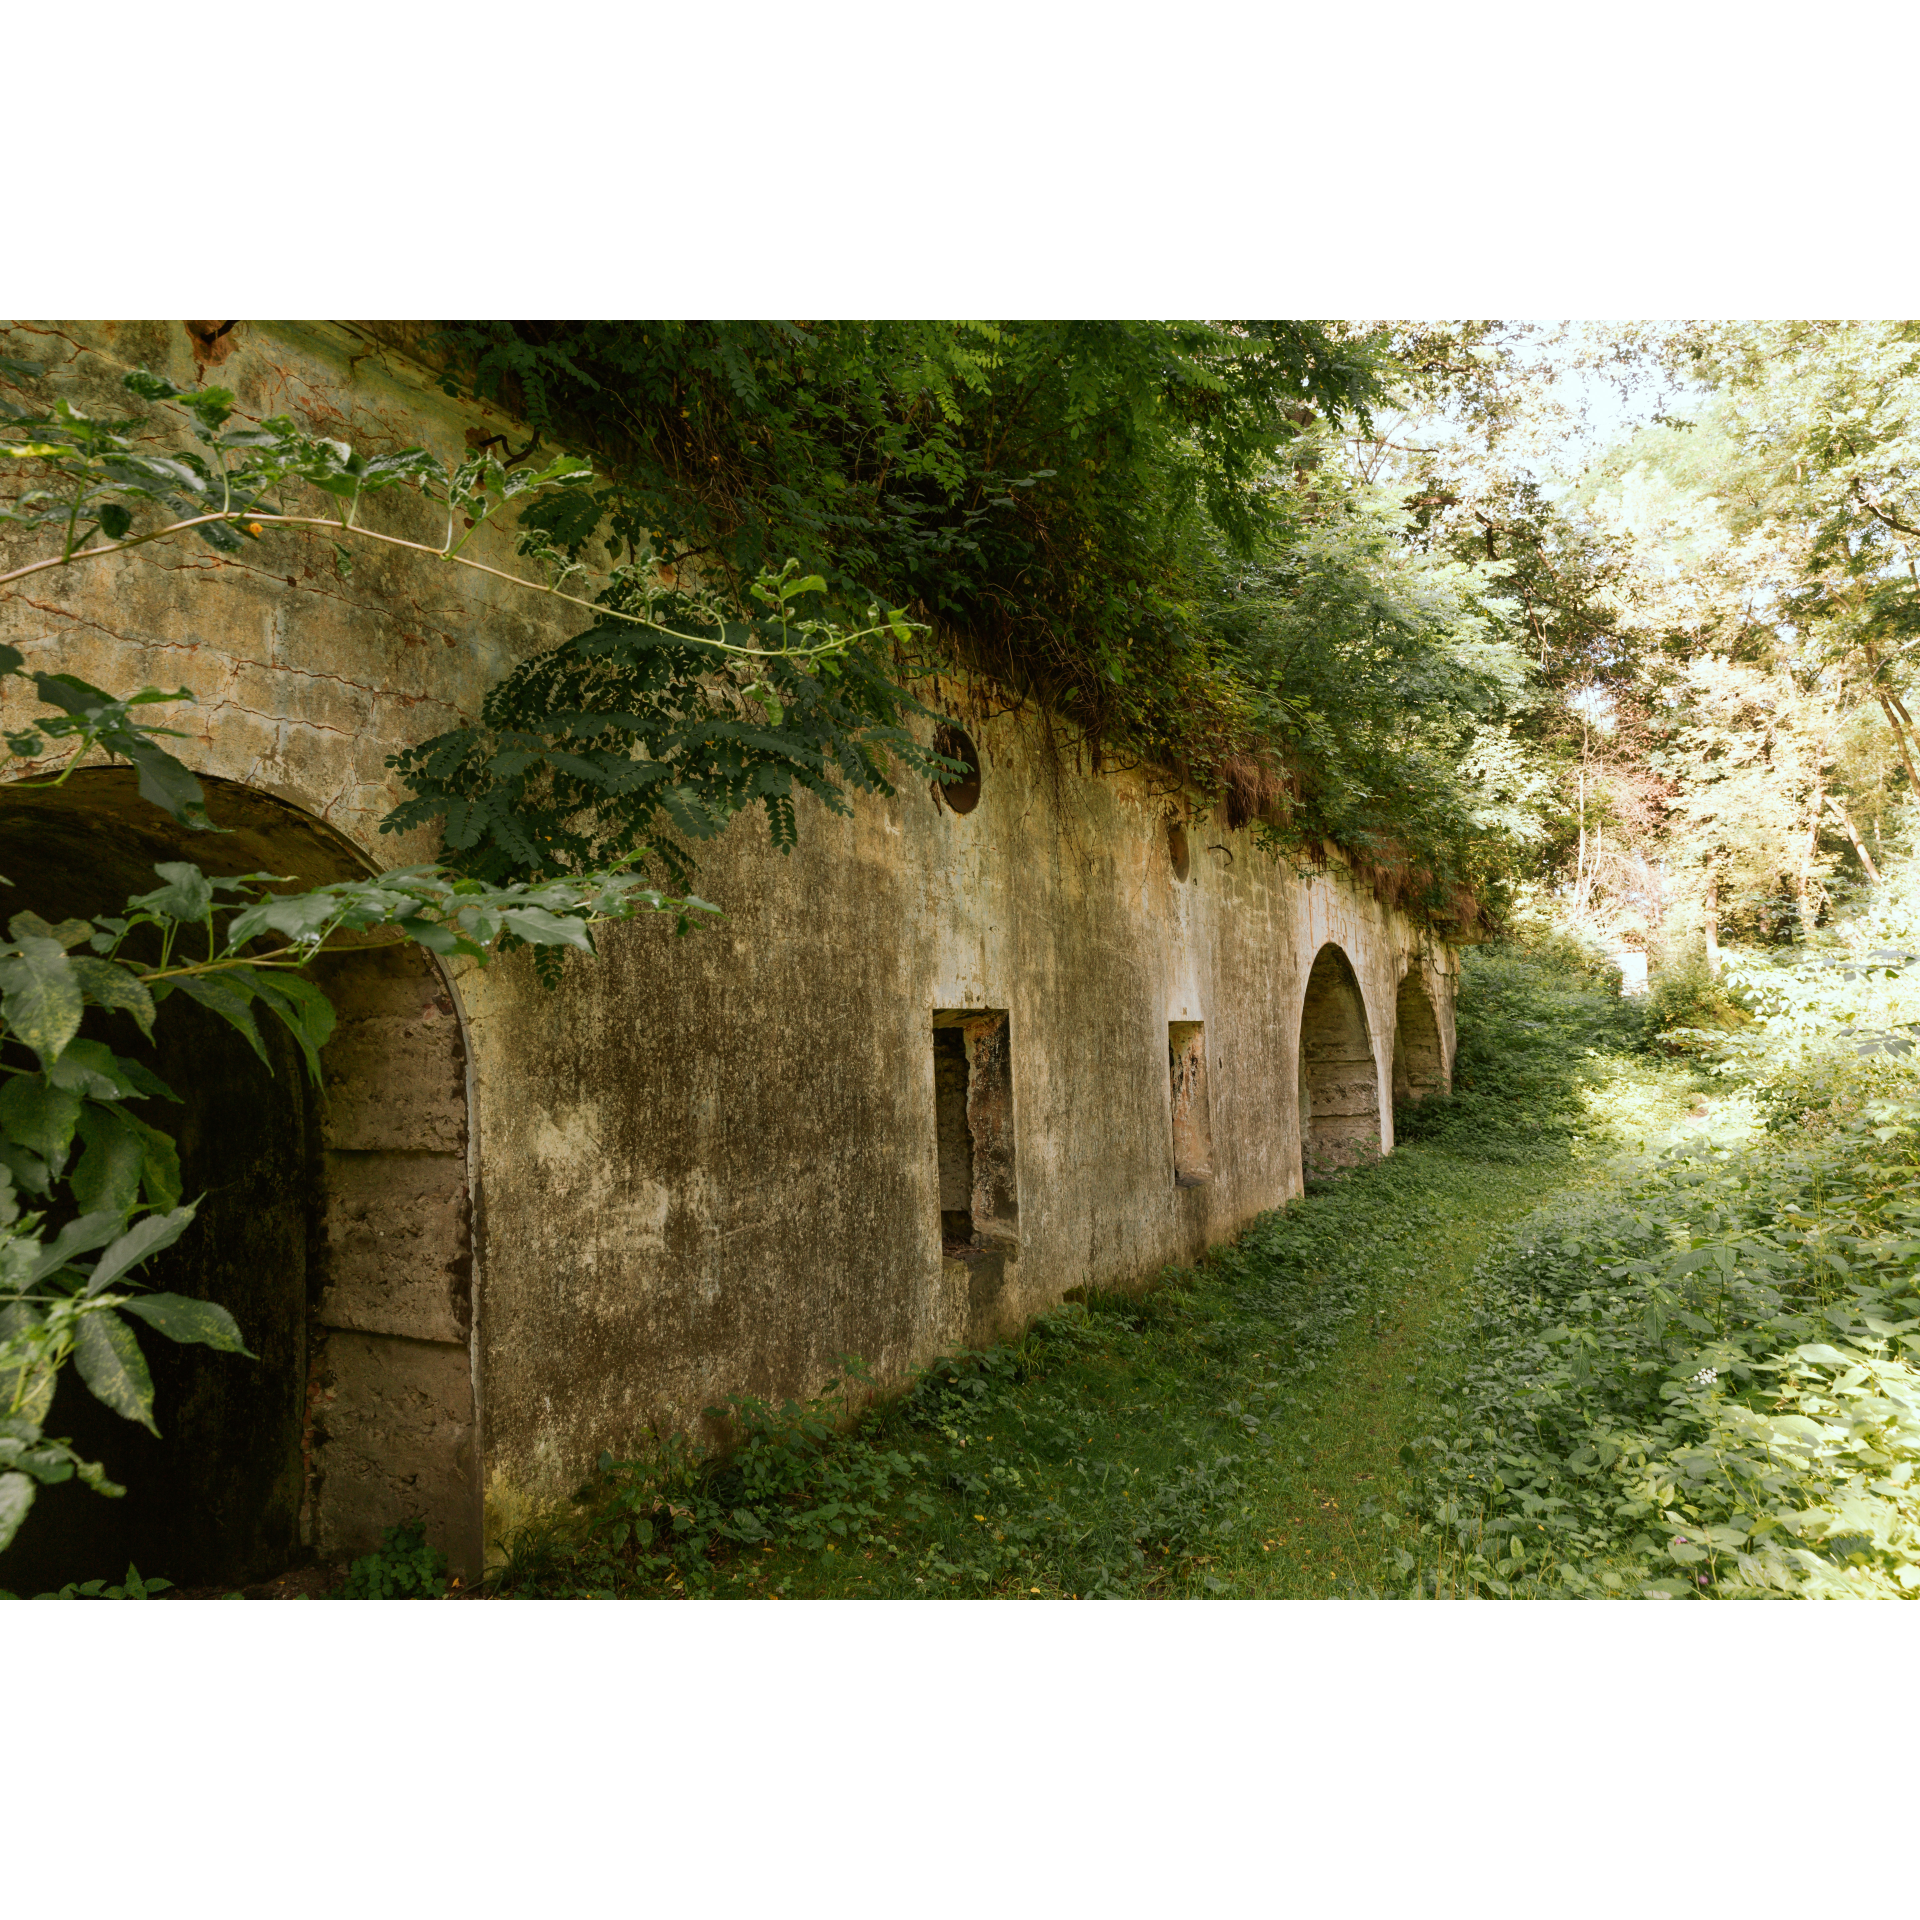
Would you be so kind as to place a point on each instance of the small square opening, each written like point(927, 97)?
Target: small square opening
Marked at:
point(973, 1125)
point(1192, 1119)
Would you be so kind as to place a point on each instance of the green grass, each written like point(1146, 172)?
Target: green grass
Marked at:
point(1695, 1376)
point(1237, 1430)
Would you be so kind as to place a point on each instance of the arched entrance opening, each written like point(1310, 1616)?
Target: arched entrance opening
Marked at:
point(335, 1228)
point(1419, 1062)
point(1339, 1082)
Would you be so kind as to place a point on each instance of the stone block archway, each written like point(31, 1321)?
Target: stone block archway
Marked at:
point(1339, 1077)
point(336, 1228)
point(1419, 1057)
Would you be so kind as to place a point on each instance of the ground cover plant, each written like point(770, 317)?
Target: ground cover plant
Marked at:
point(1234, 1430)
point(1697, 1378)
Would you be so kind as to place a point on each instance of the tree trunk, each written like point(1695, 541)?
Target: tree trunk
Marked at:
point(1580, 867)
point(1895, 710)
point(1900, 739)
point(1802, 879)
point(1710, 920)
point(1866, 859)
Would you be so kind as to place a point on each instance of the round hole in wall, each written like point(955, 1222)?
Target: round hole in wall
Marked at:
point(1177, 847)
point(961, 793)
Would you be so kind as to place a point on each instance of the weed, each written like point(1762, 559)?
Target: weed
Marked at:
point(402, 1567)
point(133, 1587)
point(1697, 1378)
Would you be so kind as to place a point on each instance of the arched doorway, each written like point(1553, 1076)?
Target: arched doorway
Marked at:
point(1339, 1082)
point(335, 1228)
point(1419, 1063)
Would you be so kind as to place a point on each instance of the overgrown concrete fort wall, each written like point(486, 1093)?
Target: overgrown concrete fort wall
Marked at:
point(930, 1072)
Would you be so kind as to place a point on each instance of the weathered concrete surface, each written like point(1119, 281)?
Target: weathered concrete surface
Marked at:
point(726, 1166)
point(392, 1424)
point(1340, 1073)
point(305, 680)
point(714, 1163)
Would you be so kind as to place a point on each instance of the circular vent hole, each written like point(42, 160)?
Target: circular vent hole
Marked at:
point(1177, 846)
point(962, 794)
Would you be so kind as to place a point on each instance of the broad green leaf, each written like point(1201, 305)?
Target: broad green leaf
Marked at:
point(539, 928)
point(160, 1164)
point(185, 1320)
point(49, 1465)
point(145, 1084)
point(107, 1178)
point(228, 995)
point(306, 1012)
point(149, 386)
point(43, 1003)
point(72, 695)
point(69, 933)
point(31, 1380)
point(108, 984)
point(76, 1237)
point(92, 1070)
point(211, 406)
point(108, 1359)
point(146, 1236)
point(187, 896)
point(29, 1172)
point(300, 916)
point(434, 937)
point(39, 1116)
point(16, 1501)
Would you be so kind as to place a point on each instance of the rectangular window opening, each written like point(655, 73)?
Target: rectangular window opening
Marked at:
point(1192, 1120)
point(973, 1126)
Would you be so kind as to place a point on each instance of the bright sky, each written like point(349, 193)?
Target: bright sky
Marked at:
point(1609, 404)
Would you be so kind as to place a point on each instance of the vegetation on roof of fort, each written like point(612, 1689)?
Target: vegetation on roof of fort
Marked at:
point(1155, 535)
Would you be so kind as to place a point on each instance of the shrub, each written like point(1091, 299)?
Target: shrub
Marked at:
point(1683, 997)
point(1534, 1024)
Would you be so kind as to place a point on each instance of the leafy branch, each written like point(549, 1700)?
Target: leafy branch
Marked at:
point(90, 1191)
point(96, 476)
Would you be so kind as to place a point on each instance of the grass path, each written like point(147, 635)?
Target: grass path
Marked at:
point(1335, 1468)
point(1235, 1432)
point(1308, 1389)
point(1325, 1531)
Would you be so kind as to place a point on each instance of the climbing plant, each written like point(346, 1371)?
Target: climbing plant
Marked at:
point(90, 1189)
point(1078, 515)
point(684, 702)
point(637, 737)
point(1046, 495)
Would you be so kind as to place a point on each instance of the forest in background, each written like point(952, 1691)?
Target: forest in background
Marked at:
point(1572, 641)
point(1608, 626)
point(1579, 641)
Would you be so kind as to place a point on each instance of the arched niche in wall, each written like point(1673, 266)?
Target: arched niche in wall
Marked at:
point(1339, 1083)
point(1419, 1061)
point(335, 1228)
